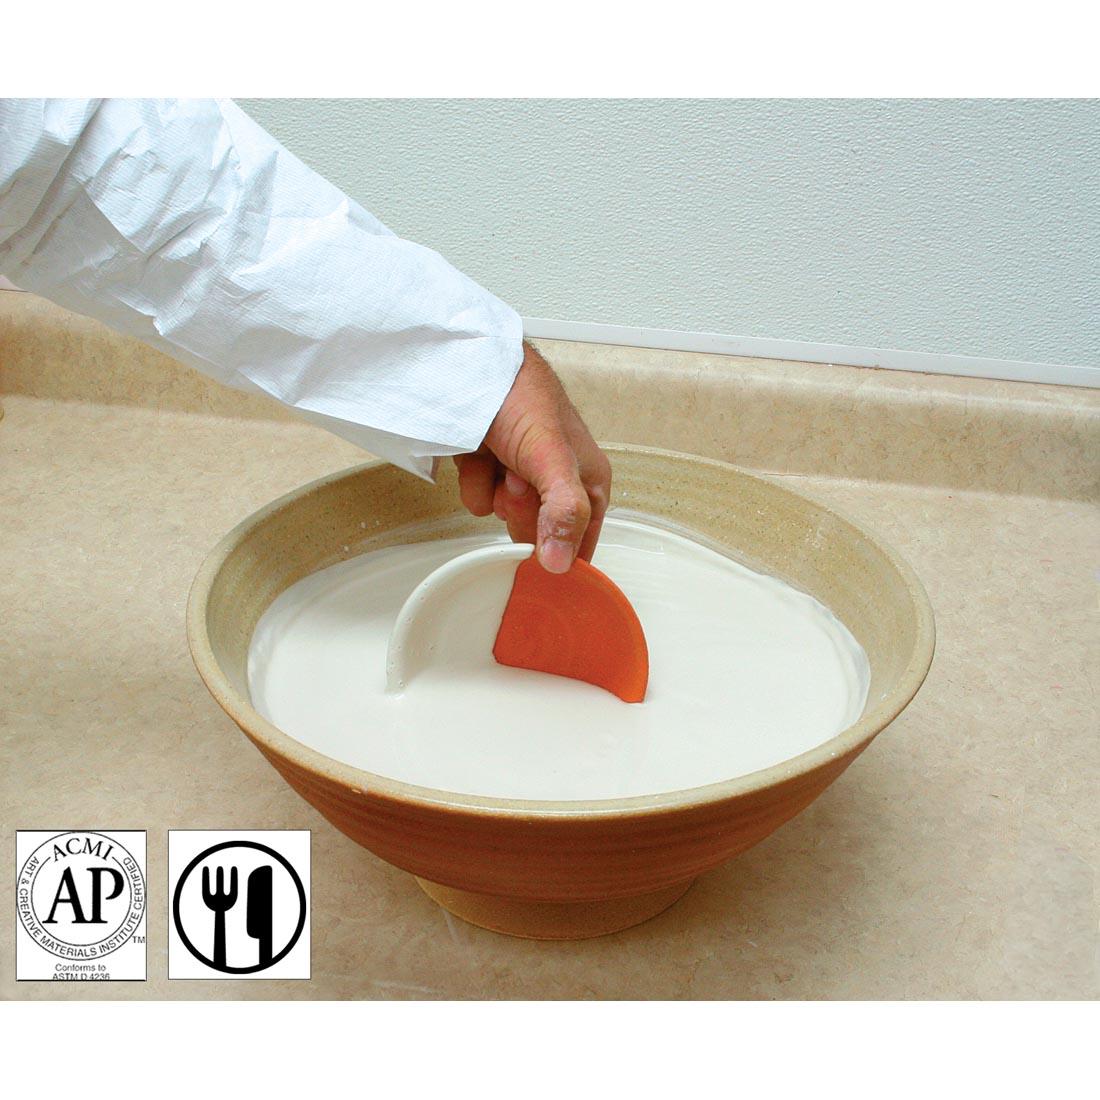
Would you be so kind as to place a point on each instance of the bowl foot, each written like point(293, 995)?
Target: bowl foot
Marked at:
point(553, 920)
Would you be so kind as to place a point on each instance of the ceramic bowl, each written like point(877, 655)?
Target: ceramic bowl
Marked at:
point(562, 870)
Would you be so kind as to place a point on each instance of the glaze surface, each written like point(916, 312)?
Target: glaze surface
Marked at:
point(745, 672)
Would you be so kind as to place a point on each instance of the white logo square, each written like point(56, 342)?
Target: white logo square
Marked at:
point(238, 904)
point(80, 898)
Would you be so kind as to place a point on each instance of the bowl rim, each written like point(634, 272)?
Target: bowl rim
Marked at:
point(357, 781)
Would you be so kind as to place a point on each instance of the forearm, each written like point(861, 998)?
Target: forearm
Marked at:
point(188, 226)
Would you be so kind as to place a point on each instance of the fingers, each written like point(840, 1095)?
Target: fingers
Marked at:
point(517, 503)
point(517, 486)
point(556, 490)
point(597, 482)
point(477, 481)
point(556, 510)
point(558, 513)
point(595, 525)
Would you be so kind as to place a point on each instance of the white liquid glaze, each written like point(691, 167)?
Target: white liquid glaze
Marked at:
point(745, 672)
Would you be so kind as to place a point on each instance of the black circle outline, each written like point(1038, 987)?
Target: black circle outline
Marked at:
point(130, 907)
point(227, 969)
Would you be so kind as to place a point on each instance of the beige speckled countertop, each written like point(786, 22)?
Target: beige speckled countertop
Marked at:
point(958, 856)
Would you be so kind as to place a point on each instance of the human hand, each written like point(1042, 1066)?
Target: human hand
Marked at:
point(540, 470)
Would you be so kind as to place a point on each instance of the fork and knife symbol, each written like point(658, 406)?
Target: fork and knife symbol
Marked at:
point(257, 918)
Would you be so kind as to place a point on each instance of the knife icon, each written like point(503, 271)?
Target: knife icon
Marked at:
point(257, 918)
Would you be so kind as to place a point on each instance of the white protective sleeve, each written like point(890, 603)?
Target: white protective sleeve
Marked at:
point(185, 224)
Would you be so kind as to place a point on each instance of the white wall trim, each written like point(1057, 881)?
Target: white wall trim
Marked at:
point(713, 343)
point(801, 351)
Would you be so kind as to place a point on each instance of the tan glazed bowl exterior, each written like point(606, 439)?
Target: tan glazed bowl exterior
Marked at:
point(562, 870)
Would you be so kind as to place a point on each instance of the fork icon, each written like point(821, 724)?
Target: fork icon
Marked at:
point(219, 902)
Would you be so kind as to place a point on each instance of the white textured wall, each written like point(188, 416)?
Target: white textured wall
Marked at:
point(961, 227)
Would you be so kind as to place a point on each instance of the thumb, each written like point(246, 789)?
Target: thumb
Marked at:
point(564, 509)
point(563, 519)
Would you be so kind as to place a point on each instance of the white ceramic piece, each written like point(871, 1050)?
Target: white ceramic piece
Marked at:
point(418, 638)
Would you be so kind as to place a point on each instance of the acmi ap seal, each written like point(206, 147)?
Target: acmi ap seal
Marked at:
point(81, 899)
